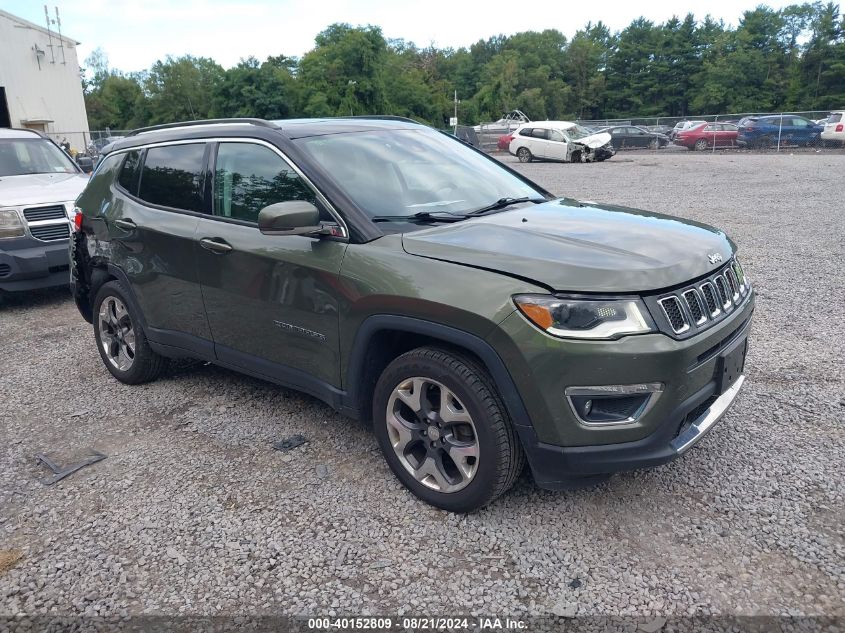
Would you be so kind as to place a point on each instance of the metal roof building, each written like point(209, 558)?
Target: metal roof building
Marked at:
point(40, 83)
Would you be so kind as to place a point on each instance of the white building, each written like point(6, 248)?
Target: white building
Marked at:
point(40, 83)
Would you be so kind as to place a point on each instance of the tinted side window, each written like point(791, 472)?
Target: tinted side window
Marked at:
point(540, 133)
point(128, 178)
point(172, 176)
point(834, 118)
point(526, 131)
point(554, 135)
point(248, 177)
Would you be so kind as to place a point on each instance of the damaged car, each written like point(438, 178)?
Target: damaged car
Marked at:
point(560, 141)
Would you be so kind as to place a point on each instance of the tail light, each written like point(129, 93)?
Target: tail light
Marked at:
point(77, 219)
point(840, 127)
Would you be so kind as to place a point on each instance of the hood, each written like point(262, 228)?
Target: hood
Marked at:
point(34, 189)
point(595, 141)
point(574, 246)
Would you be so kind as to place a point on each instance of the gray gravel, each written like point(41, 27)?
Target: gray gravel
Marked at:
point(195, 512)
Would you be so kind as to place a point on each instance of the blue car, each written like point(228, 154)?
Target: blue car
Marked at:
point(764, 131)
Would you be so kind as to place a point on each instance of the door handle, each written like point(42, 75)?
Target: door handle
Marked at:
point(215, 245)
point(126, 224)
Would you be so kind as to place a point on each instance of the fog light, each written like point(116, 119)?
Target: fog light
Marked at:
point(604, 405)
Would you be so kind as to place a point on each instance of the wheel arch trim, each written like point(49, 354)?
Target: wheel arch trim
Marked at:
point(460, 338)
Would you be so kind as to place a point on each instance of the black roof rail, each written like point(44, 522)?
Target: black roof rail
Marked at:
point(382, 117)
point(168, 126)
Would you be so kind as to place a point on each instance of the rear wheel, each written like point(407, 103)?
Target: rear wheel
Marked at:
point(524, 155)
point(121, 340)
point(444, 431)
point(700, 144)
point(765, 142)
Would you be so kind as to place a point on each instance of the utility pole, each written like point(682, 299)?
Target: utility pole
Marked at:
point(456, 112)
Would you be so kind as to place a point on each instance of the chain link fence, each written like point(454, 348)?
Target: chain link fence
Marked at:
point(818, 130)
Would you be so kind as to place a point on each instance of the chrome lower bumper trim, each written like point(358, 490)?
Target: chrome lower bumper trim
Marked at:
point(705, 422)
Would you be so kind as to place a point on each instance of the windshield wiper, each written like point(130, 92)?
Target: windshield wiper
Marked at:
point(421, 216)
point(502, 203)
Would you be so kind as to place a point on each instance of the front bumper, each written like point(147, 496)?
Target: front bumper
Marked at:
point(29, 264)
point(563, 452)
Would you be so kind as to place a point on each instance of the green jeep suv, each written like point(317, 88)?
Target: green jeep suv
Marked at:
point(403, 277)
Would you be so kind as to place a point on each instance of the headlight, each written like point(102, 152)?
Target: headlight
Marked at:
point(585, 318)
point(10, 224)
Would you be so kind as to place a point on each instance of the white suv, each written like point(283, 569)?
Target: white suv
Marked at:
point(38, 186)
point(560, 141)
point(834, 128)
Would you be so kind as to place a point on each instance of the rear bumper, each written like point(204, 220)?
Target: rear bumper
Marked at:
point(29, 264)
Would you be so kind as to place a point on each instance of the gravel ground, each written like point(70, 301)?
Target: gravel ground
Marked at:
point(193, 512)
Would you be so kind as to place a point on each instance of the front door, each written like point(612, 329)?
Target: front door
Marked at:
point(556, 146)
point(271, 300)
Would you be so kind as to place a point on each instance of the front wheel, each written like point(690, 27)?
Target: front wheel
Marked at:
point(524, 155)
point(121, 340)
point(444, 431)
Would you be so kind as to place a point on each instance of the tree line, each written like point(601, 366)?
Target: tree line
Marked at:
point(791, 59)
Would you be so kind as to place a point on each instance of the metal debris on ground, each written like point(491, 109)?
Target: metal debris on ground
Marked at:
point(289, 443)
point(60, 473)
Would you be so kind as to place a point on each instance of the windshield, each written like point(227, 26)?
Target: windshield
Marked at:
point(405, 172)
point(577, 131)
point(19, 157)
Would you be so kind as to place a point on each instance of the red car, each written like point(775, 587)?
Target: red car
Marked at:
point(504, 142)
point(707, 135)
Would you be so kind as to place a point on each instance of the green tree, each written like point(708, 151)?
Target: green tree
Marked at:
point(344, 74)
point(265, 90)
point(182, 88)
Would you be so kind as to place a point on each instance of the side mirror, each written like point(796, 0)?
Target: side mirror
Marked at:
point(294, 217)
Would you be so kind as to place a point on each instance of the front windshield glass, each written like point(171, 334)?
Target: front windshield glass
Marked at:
point(577, 131)
point(404, 172)
point(19, 157)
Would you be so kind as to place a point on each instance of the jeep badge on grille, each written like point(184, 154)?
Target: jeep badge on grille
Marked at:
point(715, 258)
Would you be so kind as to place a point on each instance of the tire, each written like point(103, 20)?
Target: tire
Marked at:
point(524, 155)
point(576, 157)
point(700, 145)
point(121, 340)
point(764, 142)
point(415, 437)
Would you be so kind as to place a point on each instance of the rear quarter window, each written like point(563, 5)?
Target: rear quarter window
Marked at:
point(172, 176)
point(835, 118)
point(129, 172)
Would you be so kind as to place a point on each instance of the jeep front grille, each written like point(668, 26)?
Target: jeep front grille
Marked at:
point(674, 314)
point(710, 299)
point(696, 307)
point(696, 310)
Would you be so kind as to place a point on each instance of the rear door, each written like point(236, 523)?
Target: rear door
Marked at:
point(539, 142)
point(151, 224)
point(271, 300)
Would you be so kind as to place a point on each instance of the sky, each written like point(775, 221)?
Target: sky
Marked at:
point(136, 33)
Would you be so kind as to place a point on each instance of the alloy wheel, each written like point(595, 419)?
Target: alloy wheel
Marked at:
point(432, 434)
point(117, 334)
